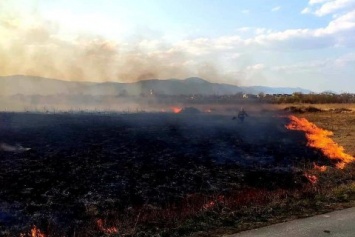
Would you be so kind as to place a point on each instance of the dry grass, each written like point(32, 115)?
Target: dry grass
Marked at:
point(320, 106)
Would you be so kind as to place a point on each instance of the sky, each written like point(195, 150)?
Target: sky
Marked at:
point(299, 43)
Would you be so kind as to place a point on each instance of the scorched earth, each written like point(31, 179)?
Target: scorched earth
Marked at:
point(116, 173)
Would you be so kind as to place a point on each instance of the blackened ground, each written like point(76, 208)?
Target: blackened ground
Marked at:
point(117, 161)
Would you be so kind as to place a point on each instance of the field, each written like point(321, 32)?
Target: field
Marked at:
point(164, 174)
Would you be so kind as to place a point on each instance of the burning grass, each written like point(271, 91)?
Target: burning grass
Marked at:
point(160, 175)
point(320, 139)
point(176, 109)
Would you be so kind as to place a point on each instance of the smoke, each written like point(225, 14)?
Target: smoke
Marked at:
point(9, 148)
point(37, 50)
point(33, 46)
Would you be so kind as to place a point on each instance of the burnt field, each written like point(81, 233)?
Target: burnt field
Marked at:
point(128, 174)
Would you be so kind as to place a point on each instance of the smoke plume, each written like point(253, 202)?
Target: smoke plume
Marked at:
point(33, 46)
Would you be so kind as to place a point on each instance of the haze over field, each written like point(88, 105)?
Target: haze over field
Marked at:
point(33, 86)
point(307, 44)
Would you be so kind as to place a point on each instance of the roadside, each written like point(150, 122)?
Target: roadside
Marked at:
point(337, 223)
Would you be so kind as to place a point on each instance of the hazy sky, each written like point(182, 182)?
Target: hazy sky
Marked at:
point(293, 43)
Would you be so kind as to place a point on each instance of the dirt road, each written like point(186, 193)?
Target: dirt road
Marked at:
point(334, 224)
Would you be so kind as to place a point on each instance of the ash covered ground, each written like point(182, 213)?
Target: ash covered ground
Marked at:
point(82, 166)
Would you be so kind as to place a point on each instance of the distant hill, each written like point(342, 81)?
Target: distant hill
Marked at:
point(28, 85)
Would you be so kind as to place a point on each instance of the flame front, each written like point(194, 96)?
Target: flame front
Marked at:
point(320, 139)
point(321, 168)
point(176, 110)
point(35, 232)
point(106, 230)
point(311, 178)
point(213, 203)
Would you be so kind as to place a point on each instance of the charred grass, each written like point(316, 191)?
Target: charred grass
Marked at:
point(160, 175)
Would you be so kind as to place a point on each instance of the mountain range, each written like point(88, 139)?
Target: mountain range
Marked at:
point(29, 85)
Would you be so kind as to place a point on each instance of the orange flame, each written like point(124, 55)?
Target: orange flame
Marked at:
point(176, 110)
point(209, 205)
point(35, 232)
point(311, 178)
point(213, 203)
point(320, 138)
point(320, 168)
point(106, 230)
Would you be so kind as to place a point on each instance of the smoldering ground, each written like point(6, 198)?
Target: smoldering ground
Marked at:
point(110, 163)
